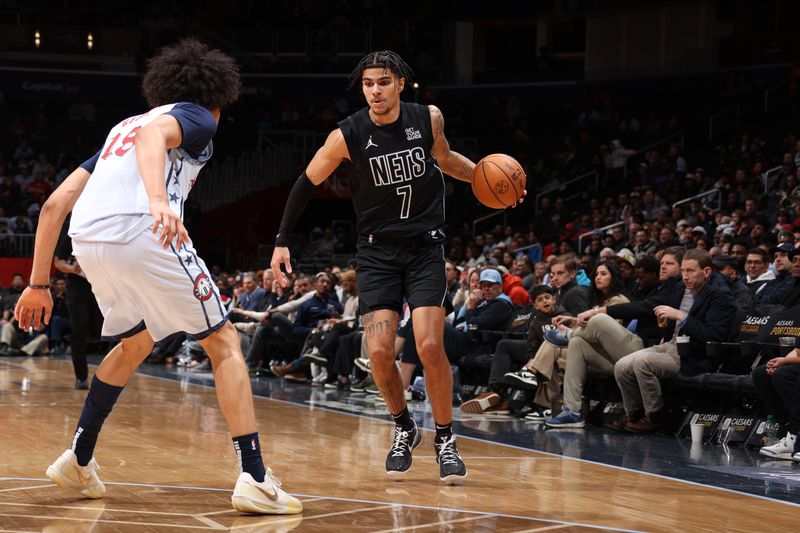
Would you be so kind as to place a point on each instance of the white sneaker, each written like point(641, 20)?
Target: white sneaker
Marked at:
point(266, 497)
point(321, 378)
point(362, 363)
point(783, 449)
point(68, 474)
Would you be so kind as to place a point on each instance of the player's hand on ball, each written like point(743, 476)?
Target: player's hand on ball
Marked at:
point(172, 228)
point(280, 256)
point(29, 308)
point(521, 198)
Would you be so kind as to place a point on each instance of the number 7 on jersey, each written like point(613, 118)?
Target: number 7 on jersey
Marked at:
point(405, 192)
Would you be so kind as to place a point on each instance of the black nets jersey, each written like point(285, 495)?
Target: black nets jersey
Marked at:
point(397, 186)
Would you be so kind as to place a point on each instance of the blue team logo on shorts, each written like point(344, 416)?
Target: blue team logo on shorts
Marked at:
point(203, 288)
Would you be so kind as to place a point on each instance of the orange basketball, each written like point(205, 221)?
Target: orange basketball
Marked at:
point(499, 181)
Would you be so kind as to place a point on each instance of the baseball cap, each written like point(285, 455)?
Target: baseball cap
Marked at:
point(682, 222)
point(491, 275)
point(783, 247)
point(699, 229)
point(722, 261)
point(322, 274)
point(627, 256)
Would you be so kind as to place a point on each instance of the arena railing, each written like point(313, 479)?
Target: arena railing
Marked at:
point(770, 95)
point(16, 244)
point(589, 176)
point(631, 162)
point(770, 172)
point(723, 120)
point(702, 196)
point(490, 216)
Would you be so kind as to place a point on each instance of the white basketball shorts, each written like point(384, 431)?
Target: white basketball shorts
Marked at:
point(141, 285)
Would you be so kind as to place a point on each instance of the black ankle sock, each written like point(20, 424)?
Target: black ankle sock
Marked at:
point(403, 419)
point(98, 405)
point(248, 452)
point(444, 433)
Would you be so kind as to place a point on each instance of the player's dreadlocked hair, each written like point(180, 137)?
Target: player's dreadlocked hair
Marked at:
point(382, 59)
point(190, 72)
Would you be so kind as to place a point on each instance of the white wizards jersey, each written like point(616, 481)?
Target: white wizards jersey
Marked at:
point(114, 206)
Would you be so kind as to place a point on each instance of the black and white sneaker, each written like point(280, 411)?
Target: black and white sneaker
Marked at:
point(539, 414)
point(522, 378)
point(398, 462)
point(451, 467)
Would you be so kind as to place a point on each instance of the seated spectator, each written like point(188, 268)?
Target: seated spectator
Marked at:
point(275, 323)
point(758, 274)
point(778, 289)
point(778, 384)
point(522, 269)
point(451, 274)
point(793, 298)
point(726, 266)
point(59, 318)
point(11, 295)
point(645, 276)
point(571, 296)
point(512, 287)
point(252, 297)
point(700, 306)
point(627, 263)
point(644, 246)
point(321, 306)
point(336, 328)
point(469, 285)
point(15, 342)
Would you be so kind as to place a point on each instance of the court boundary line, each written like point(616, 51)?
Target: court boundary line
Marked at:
point(512, 446)
point(381, 504)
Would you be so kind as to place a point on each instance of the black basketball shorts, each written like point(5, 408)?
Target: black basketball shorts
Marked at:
point(389, 272)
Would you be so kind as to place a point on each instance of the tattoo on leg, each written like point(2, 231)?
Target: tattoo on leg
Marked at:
point(376, 329)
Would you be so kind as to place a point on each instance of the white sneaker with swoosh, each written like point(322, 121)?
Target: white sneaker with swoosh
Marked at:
point(68, 474)
point(266, 497)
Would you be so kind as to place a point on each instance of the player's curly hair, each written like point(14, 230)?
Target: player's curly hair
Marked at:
point(191, 72)
point(385, 59)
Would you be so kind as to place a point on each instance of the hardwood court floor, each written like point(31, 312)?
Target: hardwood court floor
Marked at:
point(169, 466)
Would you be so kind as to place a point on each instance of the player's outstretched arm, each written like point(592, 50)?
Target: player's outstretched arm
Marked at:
point(151, 144)
point(325, 161)
point(32, 302)
point(451, 163)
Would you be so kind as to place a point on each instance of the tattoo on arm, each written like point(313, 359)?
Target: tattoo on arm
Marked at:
point(451, 162)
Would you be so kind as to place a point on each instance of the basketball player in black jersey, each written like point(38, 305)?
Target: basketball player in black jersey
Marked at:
point(398, 154)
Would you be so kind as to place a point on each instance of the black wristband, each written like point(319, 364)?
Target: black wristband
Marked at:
point(40, 287)
point(298, 199)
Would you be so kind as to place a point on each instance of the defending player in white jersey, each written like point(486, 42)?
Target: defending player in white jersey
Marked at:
point(150, 283)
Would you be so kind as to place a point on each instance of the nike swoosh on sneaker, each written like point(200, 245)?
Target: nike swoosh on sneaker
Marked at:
point(83, 480)
point(273, 497)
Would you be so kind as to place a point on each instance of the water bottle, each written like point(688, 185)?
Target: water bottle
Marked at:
point(771, 434)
